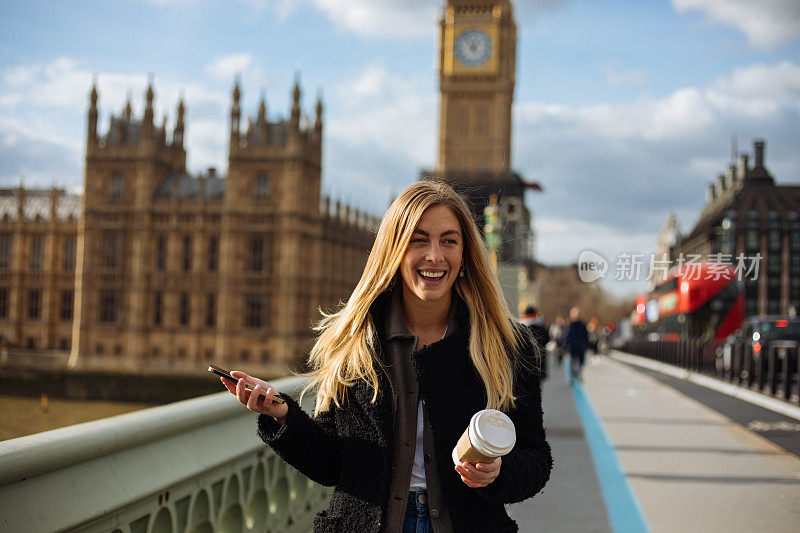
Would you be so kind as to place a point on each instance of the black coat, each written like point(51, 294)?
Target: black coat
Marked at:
point(577, 338)
point(351, 447)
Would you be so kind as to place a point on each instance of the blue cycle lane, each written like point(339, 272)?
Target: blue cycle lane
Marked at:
point(588, 490)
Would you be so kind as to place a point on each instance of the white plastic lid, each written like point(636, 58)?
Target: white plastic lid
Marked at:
point(492, 433)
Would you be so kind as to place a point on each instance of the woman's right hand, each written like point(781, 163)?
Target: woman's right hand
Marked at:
point(254, 400)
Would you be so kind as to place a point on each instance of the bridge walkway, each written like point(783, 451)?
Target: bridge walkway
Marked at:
point(634, 452)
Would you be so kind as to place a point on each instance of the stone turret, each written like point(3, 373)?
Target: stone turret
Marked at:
point(236, 115)
point(91, 134)
point(177, 134)
point(147, 121)
point(296, 93)
point(318, 120)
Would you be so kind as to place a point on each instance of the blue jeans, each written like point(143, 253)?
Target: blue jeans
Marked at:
point(417, 519)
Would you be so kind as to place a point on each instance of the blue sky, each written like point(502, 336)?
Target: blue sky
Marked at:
point(624, 110)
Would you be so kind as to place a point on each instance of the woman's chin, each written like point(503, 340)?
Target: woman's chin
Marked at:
point(431, 295)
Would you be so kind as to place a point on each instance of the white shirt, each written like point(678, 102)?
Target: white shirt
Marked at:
point(418, 469)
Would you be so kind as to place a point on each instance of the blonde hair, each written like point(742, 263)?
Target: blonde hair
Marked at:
point(345, 351)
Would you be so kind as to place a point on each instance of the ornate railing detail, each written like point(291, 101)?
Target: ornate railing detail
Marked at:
point(192, 466)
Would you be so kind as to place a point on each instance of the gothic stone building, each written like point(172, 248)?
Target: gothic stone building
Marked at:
point(153, 267)
point(747, 213)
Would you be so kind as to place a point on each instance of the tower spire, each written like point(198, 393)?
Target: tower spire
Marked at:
point(235, 113)
point(296, 93)
point(263, 123)
point(147, 125)
point(177, 134)
point(127, 111)
point(262, 107)
point(92, 122)
point(318, 121)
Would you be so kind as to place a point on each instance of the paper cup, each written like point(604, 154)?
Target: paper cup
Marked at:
point(490, 434)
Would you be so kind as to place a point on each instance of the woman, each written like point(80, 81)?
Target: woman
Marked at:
point(424, 341)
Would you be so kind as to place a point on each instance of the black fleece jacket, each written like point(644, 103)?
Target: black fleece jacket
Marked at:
point(351, 447)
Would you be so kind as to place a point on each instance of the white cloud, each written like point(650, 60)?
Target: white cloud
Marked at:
point(10, 100)
point(21, 75)
point(778, 83)
point(369, 18)
point(382, 108)
point(226, 67)
point(383, 132)
point(386, 18)
point(683, 113)
point(172, 3)
point(766, 23)
point(282, 8)
point(34, 153)
point(562, 238)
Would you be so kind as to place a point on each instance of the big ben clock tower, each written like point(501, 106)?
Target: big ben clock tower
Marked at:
point(477, 61)
point(477, 64)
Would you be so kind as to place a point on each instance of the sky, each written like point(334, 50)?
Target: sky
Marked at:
point(624, 111)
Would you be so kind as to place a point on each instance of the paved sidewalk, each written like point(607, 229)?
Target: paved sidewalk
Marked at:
point(691, 468)
point(571, 500)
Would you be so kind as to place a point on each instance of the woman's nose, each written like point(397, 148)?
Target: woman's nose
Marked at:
point(434, 254)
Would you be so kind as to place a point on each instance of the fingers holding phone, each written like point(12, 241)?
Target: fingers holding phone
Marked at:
point(259, 399)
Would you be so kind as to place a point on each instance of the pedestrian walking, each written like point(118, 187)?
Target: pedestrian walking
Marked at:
point(577, 342)
point(557, 331)
point(532, 319)
point(424, 342)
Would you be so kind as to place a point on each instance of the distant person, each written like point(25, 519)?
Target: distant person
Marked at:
point(577, 342)
point(557, 331)
point(593, 333)
point(532, 319)
point(424, 342)
point(609, 333)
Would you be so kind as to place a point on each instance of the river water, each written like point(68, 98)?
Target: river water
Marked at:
point(20, 416)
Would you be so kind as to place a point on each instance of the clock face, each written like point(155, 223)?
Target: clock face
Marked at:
point(473, 48)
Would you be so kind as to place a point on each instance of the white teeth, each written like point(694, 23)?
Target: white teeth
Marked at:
point(429, 274)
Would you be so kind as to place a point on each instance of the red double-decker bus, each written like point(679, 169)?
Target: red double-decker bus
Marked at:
point(697, 300)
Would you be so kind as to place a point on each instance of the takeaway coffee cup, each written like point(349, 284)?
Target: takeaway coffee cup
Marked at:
point(490, 434)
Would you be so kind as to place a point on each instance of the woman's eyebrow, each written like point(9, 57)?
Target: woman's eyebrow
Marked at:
point(448, 232)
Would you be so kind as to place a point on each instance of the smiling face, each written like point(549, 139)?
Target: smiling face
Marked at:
point(432, 260)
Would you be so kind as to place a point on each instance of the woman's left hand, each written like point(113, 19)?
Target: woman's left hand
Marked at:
point(480, 474)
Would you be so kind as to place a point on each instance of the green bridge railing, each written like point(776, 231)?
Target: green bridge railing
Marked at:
point(191, 466)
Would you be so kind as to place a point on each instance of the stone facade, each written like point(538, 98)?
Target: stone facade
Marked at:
point(170, 270)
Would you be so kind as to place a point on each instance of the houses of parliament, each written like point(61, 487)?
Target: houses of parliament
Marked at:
point(155, 267)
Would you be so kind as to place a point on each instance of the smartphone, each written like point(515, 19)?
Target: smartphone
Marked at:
point(224, 373)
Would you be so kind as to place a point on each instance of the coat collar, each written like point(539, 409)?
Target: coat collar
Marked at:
point(393, 326)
